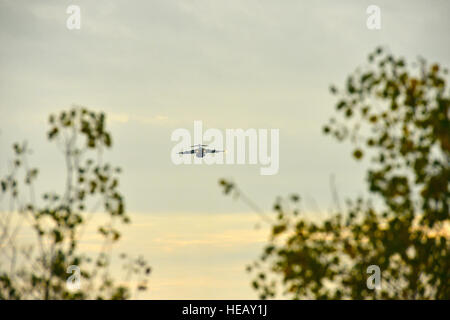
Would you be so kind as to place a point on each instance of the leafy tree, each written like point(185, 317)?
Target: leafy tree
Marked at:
point(58, 220)
point(397, 116)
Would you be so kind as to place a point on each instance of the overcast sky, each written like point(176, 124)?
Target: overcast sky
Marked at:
point(155, 66)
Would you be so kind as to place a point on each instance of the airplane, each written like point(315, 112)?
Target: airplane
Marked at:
point(200, 152)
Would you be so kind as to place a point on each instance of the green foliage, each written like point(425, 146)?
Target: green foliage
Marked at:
point(58, 220)
point(400, 119)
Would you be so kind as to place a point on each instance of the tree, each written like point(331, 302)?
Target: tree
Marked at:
point(399, 117)
point(40, 270)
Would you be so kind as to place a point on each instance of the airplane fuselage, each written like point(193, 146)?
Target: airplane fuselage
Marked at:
point(200, 153)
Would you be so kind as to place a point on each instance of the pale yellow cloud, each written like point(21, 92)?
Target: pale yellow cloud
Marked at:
point(193, 256)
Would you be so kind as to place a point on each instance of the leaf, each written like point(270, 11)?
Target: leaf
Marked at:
point(357, 154)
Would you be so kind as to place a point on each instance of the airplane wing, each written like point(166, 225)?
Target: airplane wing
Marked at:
point(187, 152)
point(213, 151)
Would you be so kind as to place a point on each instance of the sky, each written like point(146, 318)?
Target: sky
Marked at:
point(157, 66)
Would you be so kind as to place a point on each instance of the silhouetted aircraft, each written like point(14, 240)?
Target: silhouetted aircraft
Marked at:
point(200, 151)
